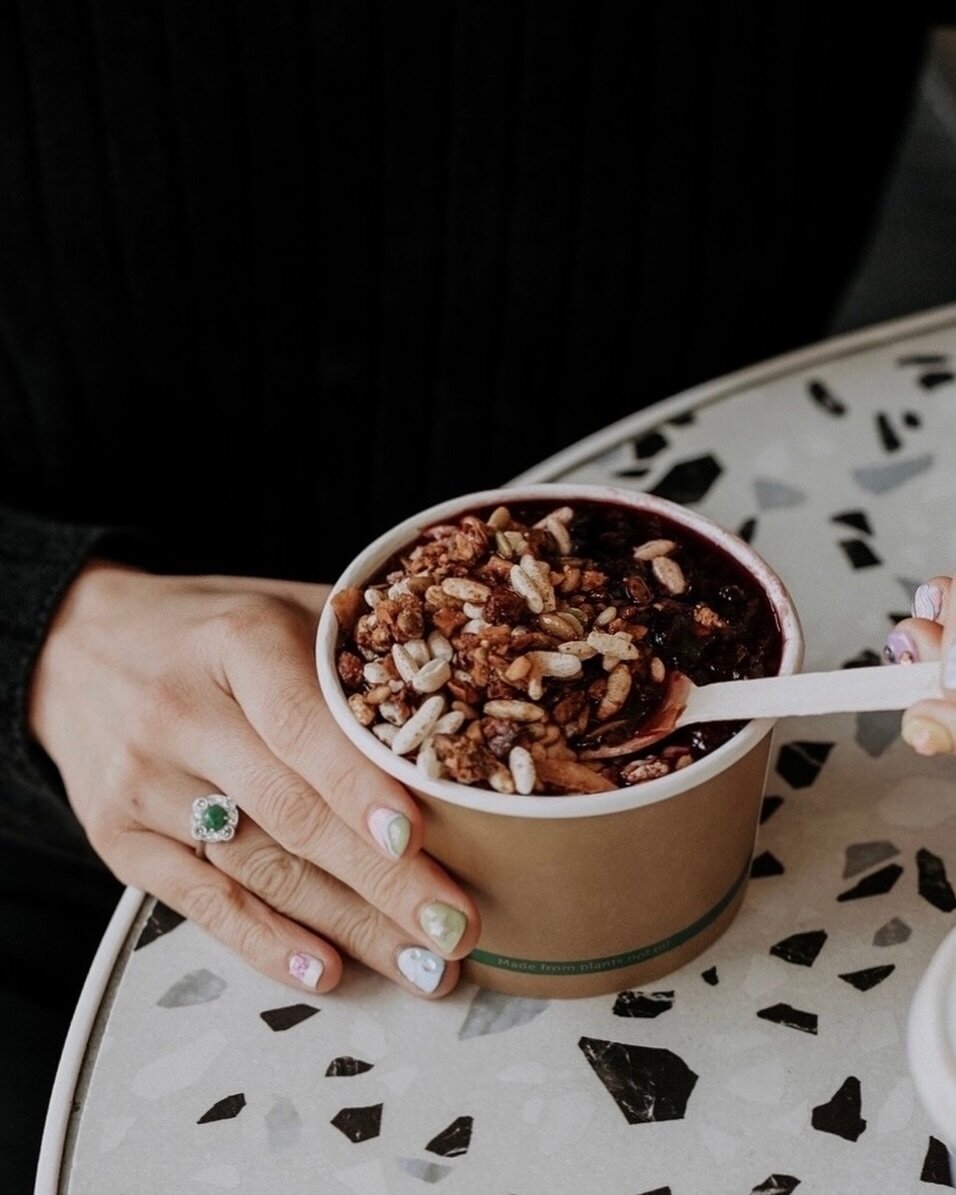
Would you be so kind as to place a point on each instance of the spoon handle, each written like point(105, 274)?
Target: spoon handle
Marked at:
point(892, 687)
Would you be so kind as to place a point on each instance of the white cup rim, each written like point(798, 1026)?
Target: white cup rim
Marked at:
point(371, 560)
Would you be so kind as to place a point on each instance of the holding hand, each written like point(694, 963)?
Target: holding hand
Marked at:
point(929, 726)
point(153, 691)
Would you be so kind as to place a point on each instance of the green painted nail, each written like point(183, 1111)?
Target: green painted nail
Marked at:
point(443, 924)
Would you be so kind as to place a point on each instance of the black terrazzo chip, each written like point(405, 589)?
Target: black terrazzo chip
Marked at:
point(891, 934)
point(453, 1141)
point(824, 397)
point(936, 1165)
point(684, 420)
point(866, 658)
point(643, 1004)
point(710, 976)
point(869, 977)
point(936, 377)
point(841, 1115)
point(911, 419)
point(646, 1083)
point(793, 1018)
point(346, 1067)
point(888, 437)
point(658, 1191)
point(649, 445)
point(689, 481)
point(777, 1184)
point(923, 359)
point(359, 1124)
point(765, 864)
point(747, 529)
point(800, 949)
point(228, 1108)
point(933, 884)
point(162, 920)
point(769, 807)
point(875, 884)
point(859, 553)
point(857, 519)
point(279, 1019)
point(637, 471)
point(799, 763)
point(896, 616)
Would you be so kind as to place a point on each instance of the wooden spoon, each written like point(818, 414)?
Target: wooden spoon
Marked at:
point(848, 690)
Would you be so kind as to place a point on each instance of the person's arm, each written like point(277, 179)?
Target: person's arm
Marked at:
point(929, 726)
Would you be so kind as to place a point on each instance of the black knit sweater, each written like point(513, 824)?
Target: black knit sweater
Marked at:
point(274, 274)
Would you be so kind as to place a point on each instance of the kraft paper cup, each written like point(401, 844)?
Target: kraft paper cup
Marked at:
point(582, 895)
point(931, 1041)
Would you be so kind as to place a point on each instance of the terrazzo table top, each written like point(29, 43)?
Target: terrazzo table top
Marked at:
point(773, 1062)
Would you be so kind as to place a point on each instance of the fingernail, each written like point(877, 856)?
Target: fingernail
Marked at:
point(421, 967)
point(949, 668)
point(443, 924)
point(391, 831)
point(928, 602)
point(900, 649)
point(926, 737)
point(306, 969)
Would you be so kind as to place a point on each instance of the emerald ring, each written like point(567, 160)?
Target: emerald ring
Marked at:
point(215, 818)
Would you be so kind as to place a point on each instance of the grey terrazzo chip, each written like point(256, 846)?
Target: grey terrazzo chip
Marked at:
point(453, 1141)
point(776, 495)
point(162, 920)
point(876, 884)
point(428, 1172)
point(228, 1108)
point(841, 1114)
point(286, 1017)
point(876, 730)
point(777, 1184)
point(862, 855)
point(494, 1012)
point(197, 987)
point(893, 933)
point(792, 1018)
point(646, 1083)
point(642, 1004)
point(936, 1165)
point(283, 1125)
point(800, 949)
point(879, 479)
point(933, 883)
point(359, 1124)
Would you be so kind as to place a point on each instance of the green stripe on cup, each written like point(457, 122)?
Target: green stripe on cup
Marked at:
point(612, 962)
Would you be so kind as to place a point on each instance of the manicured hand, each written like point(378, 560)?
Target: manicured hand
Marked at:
point(153, 691)
point(929, 726)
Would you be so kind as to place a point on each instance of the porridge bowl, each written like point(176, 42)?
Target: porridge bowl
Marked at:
point(497, 654)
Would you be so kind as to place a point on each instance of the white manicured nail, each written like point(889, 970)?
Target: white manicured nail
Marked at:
point(306, 969)
point(421, 967)
point(390, 830)
point(927, 602)
point(949, 668)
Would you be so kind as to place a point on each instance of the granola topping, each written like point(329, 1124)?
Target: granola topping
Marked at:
point(514, 649)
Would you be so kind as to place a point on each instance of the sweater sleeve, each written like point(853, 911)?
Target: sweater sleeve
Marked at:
point(38, 560)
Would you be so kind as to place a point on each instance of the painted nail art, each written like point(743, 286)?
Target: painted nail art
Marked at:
point(421, 967)
point(900, 649)
point(391, 831)
point(443, 924)
point(926, 737)
point(928, 602)
point(306, 969)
